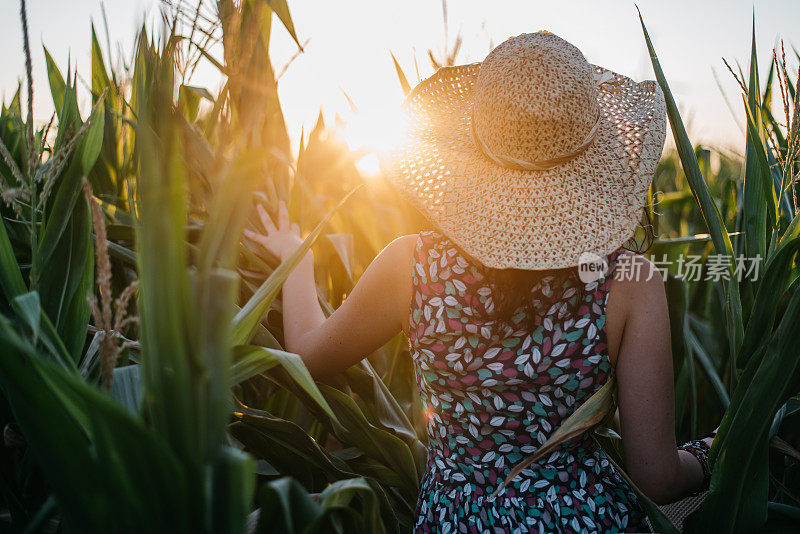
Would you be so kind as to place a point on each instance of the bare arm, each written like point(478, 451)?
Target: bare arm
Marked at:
point(372, 314)
point(646, 391)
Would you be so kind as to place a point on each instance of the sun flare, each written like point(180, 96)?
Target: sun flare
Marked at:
point(374, 133)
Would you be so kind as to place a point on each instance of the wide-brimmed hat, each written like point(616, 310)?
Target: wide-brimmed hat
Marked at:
point(532, 157)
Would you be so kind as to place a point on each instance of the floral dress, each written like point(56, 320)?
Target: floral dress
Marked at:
point(494, 394)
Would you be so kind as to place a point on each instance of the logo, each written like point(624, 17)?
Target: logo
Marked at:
point(591, 267)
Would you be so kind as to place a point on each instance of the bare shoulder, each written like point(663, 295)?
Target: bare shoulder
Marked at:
point(393, 263)
point(637, 301)
point(400, 251)
point(405, 242)
point(637, 283)
point(634, 270)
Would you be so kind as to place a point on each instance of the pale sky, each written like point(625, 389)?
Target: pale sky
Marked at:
point(350, 41)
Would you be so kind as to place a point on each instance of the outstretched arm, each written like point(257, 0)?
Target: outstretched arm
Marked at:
point(371, 315)
point(646, 391)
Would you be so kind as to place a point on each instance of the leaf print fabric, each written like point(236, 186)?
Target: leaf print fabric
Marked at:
point(494, 393)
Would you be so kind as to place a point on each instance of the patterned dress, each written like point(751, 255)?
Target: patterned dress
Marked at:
point(495, 394)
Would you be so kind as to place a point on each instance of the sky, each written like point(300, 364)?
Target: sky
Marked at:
point(349, 45)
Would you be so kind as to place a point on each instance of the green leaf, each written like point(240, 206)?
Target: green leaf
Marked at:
point(773, 285)
point(219, 238)
point(11, 281)
point(755, 201)
point(382, 408)
point(58, 216)
point(126, 387)
point(89, 448)
point(57, 85)
point(755, 402)
point(250, 358)
point(214, 293)
point(708, 366)
point(342, 493)
point(764, 173)
point(28, 309)
point(251, 314)
point(54, 343)
point(691, 167)
point(249, 363)
point(189, 99)
point(100, 79)
point(91, 142)
point(285, 507)
point(287, 448)
point(164, 293)
point(711, 216)
point(232, 490)
point(782, 518)
point(355, 429)
point(66, 272)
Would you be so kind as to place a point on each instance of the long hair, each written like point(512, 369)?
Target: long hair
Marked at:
point(511, 288)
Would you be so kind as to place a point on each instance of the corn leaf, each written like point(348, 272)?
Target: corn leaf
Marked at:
point(234, 482)
point(28, 309)
point(126, 387)
point(285, 506)
point(401, 75)
point(56, 79)
point(355, 429)
point(11, 281)
point(251, 358)
point(66, 259)
point(253, 311)
point(100, 79)
point(774, 283)
point(84, 470)
point(754, 206)
point(588, 415)
point(288, 448)
point(733, 486)
point(713, 219)
point(281, 9)
point(340, 496)
point(764, 173)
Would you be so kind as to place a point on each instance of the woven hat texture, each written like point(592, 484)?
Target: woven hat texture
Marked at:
point(532, 157)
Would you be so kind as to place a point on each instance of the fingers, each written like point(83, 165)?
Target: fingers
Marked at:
point(266, 220)
point(254, 236)
point(283, 216)
point(284, 225)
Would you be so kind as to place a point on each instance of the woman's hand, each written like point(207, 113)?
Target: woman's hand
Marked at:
point(280, 241)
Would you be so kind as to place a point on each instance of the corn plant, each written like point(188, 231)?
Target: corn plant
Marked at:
point(190, 379)
point(171, 180)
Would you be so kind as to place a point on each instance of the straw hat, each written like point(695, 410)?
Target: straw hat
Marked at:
point(532, 157)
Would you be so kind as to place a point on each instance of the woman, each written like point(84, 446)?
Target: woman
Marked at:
point(526, 165)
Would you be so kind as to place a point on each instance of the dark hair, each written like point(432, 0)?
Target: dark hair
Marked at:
point(511, 288)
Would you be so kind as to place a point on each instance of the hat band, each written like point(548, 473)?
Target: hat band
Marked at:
point(541, 165)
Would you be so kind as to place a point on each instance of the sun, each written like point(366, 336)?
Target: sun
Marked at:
point(374, 133)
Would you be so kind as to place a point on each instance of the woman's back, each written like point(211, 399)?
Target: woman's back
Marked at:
point(494, 392)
